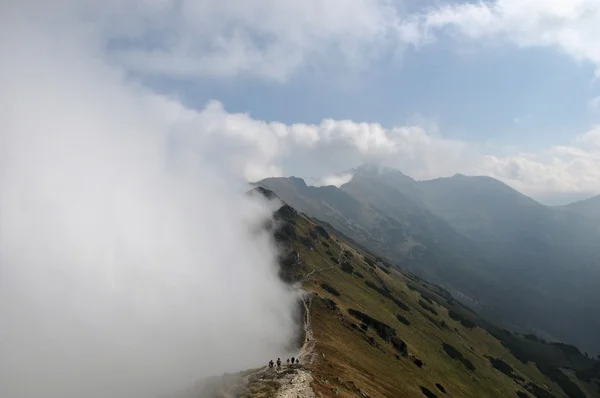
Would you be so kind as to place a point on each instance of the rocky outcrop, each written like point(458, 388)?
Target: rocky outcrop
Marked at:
point(290, 266)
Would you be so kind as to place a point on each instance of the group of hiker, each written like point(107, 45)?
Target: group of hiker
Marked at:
point(290, 362)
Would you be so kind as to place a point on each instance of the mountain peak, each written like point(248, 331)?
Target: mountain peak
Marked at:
point(297, 181)
point(367, 169)
point(375, 170)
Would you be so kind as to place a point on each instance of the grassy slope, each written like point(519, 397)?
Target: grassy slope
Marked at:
point(350, 364)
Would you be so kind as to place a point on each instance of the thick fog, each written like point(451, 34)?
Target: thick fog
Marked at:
point(129, 265)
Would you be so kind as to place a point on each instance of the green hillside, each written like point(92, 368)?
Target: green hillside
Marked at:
point(526, 266)
point(380, 333)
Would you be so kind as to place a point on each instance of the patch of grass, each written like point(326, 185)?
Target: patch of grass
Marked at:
point(330, 289)
point(539, 392)
point(347, 267)
point(384, 331)
point(455, 354)
point(261, 389)
point(557, 376)
point(400, 304)
point(463, 321)
point(370, 262)
point(428, 393)
point(504, 368)
point(403, 319)
point(400, 346)
point(322, 231)
point(440, 387)
point(427, 307)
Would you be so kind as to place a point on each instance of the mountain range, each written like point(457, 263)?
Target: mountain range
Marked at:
point(526, 266)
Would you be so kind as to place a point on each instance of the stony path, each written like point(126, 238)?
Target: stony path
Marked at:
point(294, 384)
point(297, 384)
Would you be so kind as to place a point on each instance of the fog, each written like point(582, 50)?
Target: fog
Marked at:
point(129, 265)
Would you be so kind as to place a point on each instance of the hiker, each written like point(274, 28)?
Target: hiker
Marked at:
point(278, 363)
point(288, 361)
point(292, 361)
point(271, 364)
point(297, 361)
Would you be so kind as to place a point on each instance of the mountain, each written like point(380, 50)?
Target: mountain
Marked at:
point(373, 331)
point(587, 208)
point(388, 223)
point(524, 265)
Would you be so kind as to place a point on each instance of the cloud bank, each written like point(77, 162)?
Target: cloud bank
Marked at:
point(320, 152)
point(274, 40)
point(266, 39)
point(129, 267)
point(567, 25)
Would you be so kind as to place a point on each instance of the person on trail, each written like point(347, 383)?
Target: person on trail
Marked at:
point(292, 361)
point(278, 363)
point(271, 364)
point(288, 361)
point(297, 361)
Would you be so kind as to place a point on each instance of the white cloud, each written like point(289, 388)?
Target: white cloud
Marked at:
point(568, 25)
point(594, 104)
point(260, 38)
point(336, 180)
point(130, 267)
point(263, 149)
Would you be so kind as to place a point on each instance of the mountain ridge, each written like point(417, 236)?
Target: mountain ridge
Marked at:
point(588, 208)
point(482, 240)
point(379, 332)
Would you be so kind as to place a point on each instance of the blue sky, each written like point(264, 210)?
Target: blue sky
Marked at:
point(530, 98)
point(314, 88)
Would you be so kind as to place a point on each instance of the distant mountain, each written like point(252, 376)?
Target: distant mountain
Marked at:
point(587, 208)
point(525, 265)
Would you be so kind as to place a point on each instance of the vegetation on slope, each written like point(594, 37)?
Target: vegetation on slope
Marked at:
point(366, 349)
point(518, 262)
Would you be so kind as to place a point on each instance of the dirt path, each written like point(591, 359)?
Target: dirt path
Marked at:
point(316, 271)
point(294, 382)
point(297, 384)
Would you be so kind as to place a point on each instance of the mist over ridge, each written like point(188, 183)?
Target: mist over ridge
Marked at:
point(129, 266)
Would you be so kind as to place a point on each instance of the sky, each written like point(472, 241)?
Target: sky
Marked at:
point(503, 88)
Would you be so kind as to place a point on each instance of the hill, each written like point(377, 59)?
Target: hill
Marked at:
point(377, 332)
point(526, 266)
point(587, 208)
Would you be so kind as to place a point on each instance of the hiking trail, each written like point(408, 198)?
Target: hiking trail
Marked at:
point(316, 271)
point(297, 384)
point(294, 381)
